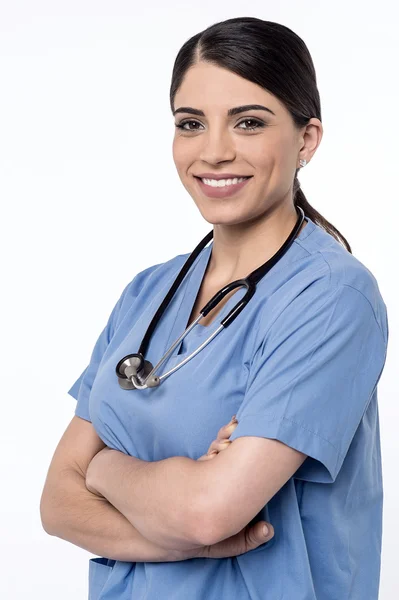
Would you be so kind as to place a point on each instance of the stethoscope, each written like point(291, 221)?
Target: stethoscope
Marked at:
point(134, 372)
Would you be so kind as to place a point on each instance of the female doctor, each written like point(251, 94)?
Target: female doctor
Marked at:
point(131, 479)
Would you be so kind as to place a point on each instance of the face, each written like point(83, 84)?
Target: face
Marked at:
point(256, 143)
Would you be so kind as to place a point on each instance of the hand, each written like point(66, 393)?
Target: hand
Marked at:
point(245, 540)
point(222, 441)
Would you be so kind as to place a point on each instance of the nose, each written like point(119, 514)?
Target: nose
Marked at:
point(217, 147)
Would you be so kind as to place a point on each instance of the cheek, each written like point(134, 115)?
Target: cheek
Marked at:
point(285, 153)
point(264, 160)
point(176, 153)
point(262, 152)
point(276, 159)
point(270, 146)
point(181, 154)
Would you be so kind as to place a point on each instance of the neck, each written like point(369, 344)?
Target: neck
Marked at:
point(239, 249)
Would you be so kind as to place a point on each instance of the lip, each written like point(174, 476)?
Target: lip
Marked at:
point(221, 192)
point(220, 175)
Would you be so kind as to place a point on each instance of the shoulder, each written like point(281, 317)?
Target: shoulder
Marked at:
point(347, 271)
point(341, 267)
point(326, 271)
point(149, 280)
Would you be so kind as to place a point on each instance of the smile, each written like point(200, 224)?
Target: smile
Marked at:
point(222, 188)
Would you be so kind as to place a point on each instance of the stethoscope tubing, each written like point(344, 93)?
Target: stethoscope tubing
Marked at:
point(251, 287)
point(185, 360)
point(127, 369)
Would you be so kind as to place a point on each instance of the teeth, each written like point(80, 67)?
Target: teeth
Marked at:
point(223, 182)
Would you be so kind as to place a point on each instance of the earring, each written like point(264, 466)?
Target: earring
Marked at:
point(302, 162)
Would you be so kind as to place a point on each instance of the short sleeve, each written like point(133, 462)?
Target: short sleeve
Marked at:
point(312, 378)
point(81, 388)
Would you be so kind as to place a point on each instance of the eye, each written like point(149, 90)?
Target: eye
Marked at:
point(181, 125)
point(258, 124)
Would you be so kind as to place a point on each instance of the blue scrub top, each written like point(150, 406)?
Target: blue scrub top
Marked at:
point(300, 364)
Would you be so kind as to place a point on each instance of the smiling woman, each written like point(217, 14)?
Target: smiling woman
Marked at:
point(278, 119)
point(299, 366)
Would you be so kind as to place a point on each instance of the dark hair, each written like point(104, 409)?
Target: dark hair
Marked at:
point(272, 56)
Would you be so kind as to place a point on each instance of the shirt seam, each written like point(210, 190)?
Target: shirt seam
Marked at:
point(284, 418)
point(249, 382)
point(346, 284)
point(286, 307)
point(371, 306)
point(259, 316)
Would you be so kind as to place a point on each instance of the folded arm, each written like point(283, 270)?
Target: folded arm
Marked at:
point(71, 512)
point(161, 498)
point(179, 502)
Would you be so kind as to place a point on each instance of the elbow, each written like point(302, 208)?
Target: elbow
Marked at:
point(216, 520)
point(208, 536)
point(49, 530)
point(45, 514)
point(45, 522)
point(206, 526)
point(48, 527)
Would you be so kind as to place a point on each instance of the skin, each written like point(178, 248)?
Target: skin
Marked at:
point(249, 538)
point(222, 440)
point(251, 226)
point(252, 535)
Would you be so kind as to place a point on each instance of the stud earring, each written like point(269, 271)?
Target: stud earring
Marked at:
point(302, 162)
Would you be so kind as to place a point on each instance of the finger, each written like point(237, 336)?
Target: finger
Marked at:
point(218, 445)
point(222, 442)
point(226, 431)
point(230, 428)
point(257, 533)
point(208, 456)
point(256, 536)
point(247, 539)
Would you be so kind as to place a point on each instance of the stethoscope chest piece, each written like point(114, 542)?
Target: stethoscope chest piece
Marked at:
point(134, 366)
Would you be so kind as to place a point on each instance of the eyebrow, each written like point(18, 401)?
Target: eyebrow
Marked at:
point(230, 112)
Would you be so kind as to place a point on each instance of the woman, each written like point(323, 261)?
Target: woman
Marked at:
point(299, 367)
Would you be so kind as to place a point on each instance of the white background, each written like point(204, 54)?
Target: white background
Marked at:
point(90, 196)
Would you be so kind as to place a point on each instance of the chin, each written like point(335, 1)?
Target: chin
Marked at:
point(218, 219)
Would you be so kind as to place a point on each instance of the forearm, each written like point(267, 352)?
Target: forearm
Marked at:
point(92, 523)
point(159, 498)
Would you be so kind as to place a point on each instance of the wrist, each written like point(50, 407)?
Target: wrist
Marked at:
point(195, 552)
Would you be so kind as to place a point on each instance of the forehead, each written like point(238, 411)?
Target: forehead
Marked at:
point(213, 88)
